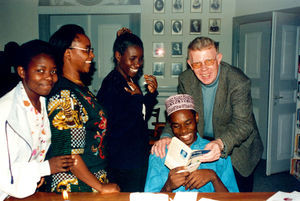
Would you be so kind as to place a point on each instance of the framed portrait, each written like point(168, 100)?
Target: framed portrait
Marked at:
point(158, 69)
point(297, 145)
point(214, 26)
point(196, 6)
point(158, 50)
point(176, 69)
point(176, 49)
point(215, 6)
point(217, 44)
point(176, 27)
point(195, 26)
point(295, 167)
point(298, 118)
point(158, 6)
point(158, 27)
point(177, 6)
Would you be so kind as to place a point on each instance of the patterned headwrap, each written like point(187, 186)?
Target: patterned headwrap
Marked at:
point(179, 102)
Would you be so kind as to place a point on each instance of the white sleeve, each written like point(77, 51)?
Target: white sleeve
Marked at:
point(19, 177)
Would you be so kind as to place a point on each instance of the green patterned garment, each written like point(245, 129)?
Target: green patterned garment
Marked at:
point(78, 126)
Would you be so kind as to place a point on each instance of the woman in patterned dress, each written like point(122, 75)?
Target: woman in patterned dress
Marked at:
point(78, 123)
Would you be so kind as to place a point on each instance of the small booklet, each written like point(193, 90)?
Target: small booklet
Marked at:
point(179, 154)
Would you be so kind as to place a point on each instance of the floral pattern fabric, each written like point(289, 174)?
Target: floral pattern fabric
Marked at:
point(38, 127)
point(78, 126)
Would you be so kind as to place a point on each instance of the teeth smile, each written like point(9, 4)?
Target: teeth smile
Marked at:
point(134, 70)
point(186, 136)
point(88, 62)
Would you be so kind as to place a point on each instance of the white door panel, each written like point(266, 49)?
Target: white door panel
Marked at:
point(282, 102)
point(254, 48)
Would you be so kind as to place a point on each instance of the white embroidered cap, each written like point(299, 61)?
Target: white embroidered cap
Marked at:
point(179, 102)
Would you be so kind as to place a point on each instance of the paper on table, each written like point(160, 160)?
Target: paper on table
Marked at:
point(283, 196)
point(206, 199)
point(149, 197)
point(185, 196)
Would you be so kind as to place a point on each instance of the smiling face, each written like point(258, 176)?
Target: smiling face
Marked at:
point(209, 60)
point(184, 125)
point(39, 77)
point(81, 58)
point(130, 62)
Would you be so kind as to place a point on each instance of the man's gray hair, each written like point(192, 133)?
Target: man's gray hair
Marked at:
point(201, 43)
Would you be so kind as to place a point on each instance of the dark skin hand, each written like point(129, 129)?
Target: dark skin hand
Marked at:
point(81, 171)
point(175, 179)
point(151, 85)
point(193, 180)
point(199, 178)
point(61, 163)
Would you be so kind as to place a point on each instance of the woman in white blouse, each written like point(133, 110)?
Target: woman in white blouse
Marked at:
point(24, 125)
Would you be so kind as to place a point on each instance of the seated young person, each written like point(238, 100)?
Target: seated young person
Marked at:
point(215, 176)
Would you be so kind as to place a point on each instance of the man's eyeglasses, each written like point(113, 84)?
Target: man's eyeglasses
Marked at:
point(87, 50)
point(207, 62)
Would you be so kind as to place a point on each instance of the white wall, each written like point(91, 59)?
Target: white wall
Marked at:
point(246, 7)
point(19, 21)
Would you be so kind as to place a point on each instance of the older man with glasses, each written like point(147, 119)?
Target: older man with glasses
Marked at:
point(222, 95)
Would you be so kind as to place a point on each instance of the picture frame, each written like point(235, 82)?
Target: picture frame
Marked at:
point(295, 167)
point(158, 6)
point(298, 90)
point(297, 146)
point(176, 26)
point(176, 69)
point(176, 49)
point(298, 118)
point(177, 6)
point(196, 6)
point(158, 27)
point(217, 44)
point(214, 26)
point(195, 26)
point(158, 49)
point(215, 6)
point(158, 69)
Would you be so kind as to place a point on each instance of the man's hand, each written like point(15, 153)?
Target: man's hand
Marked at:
point(199, 178)
point(151, 83)
point(110, 188)
point(175, 179)
point(61, 163)
point(215, 148)
point(159, 147)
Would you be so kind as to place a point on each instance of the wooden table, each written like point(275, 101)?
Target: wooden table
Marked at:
point(41, 196)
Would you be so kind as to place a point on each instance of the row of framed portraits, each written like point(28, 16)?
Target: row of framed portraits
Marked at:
point(176, 50)
point(215, 6)
point(158, 69)
point(195, 26)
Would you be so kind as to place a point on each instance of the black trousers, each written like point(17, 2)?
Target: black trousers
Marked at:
point(129, 180)
point(245, 184)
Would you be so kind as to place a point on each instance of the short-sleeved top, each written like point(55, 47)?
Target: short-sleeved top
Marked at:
point(78, 126)
point(158, 173)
